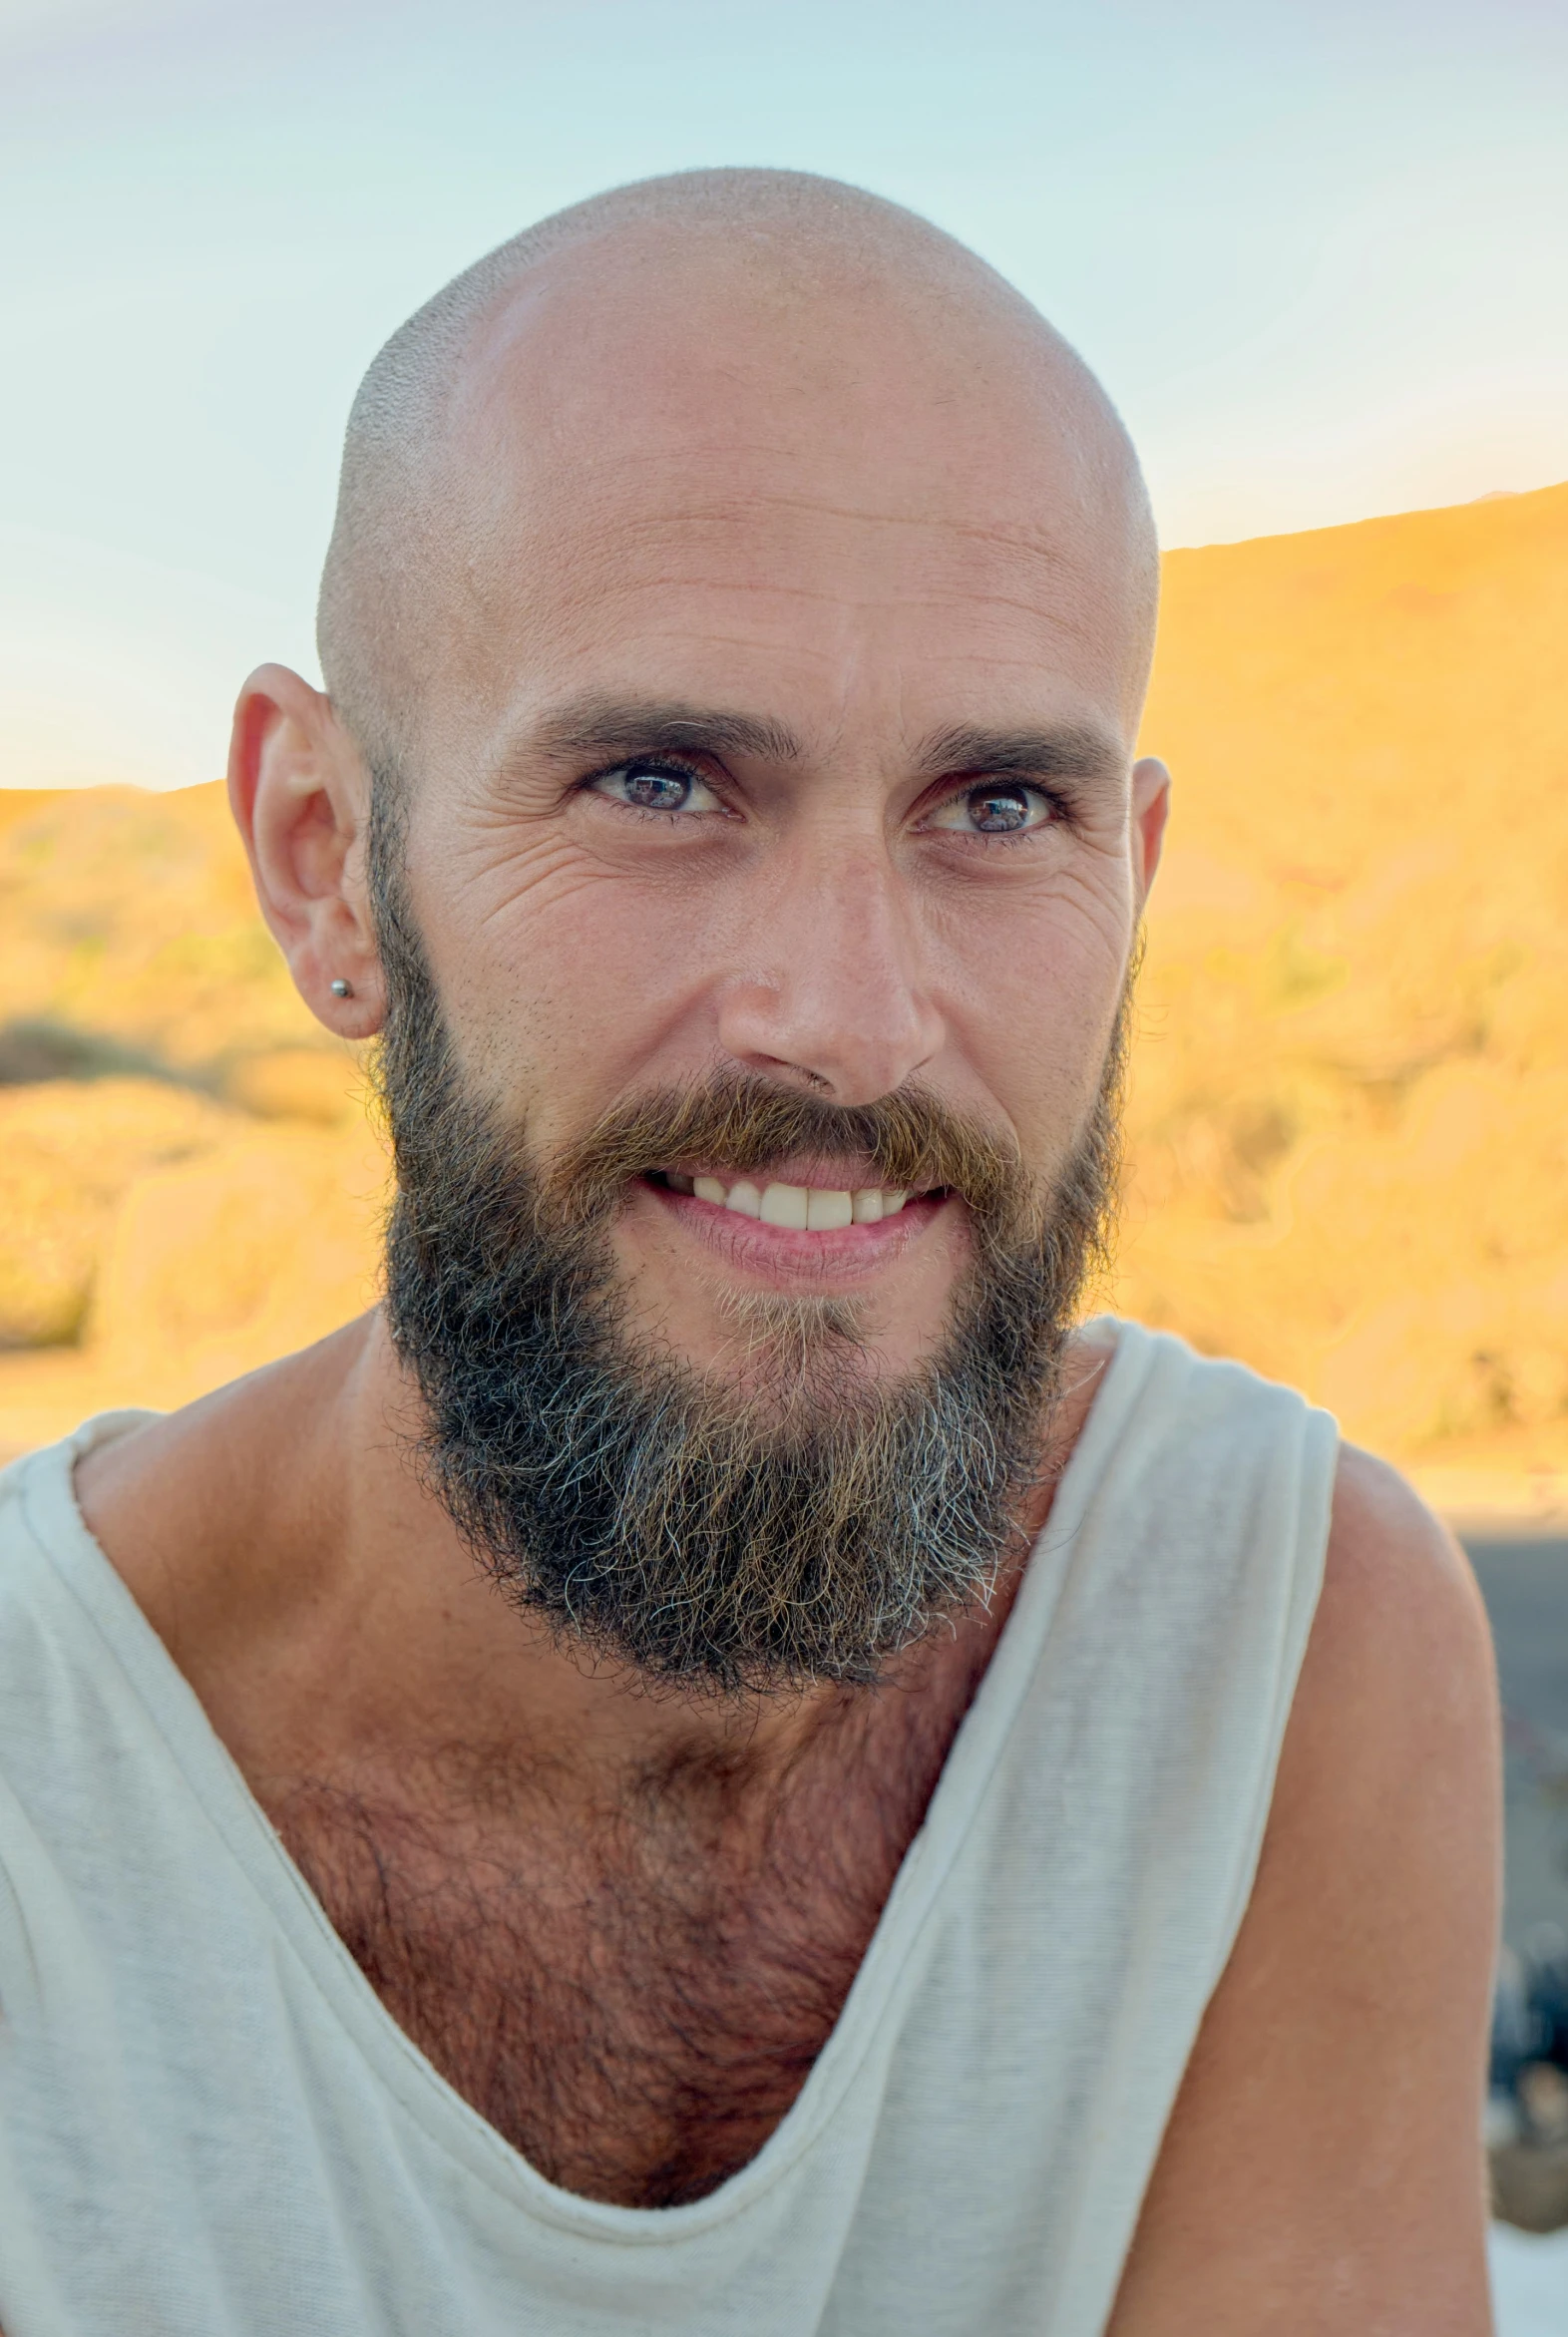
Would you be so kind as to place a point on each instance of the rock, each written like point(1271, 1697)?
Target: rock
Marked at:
point(69, 1152)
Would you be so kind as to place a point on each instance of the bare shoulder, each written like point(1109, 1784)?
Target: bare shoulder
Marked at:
point(1323, 2168)
point(181, 1505)
point(1400, 1608)
point(1397, 1689)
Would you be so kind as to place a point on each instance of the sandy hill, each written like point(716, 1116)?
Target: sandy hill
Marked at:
point(1349, 1116)
point(1351, 1121)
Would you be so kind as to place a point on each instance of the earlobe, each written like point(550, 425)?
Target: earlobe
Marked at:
point(300, 793)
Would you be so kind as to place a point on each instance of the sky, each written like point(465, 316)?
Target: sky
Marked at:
point(1317, 252)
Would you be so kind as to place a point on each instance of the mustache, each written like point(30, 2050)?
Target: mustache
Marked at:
point(745, 1122)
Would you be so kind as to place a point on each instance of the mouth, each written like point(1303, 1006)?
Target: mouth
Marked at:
point(820, 1236)
point(815, 1209)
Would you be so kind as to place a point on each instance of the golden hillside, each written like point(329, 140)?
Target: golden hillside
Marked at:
point(1351, 1121)
point(1350, 1116)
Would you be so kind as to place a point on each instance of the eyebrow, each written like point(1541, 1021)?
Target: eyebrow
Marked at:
point(599, 726)
point(1072, 750)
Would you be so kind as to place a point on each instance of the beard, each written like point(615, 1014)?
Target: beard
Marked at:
point(801, 1519)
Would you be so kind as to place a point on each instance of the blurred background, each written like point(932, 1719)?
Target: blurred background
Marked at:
point(1316, 252)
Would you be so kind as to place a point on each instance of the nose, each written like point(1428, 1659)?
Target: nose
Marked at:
point(839, 997)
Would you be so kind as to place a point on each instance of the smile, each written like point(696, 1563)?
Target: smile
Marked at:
point(800, 1208)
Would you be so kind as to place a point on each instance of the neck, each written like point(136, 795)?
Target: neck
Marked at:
point(332, 1621)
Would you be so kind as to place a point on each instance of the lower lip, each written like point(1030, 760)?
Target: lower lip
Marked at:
point(786, 1254)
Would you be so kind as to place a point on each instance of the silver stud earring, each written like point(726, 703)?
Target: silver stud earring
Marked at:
point(342, 988)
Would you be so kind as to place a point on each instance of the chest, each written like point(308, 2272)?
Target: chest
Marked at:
point(632, 1994)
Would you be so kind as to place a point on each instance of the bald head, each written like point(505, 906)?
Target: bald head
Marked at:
point(712, 340)
point(742, 599)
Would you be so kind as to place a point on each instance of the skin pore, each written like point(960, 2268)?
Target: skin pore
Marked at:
point(760, 674)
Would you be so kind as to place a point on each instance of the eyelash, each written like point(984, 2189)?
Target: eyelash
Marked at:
point(663, 766)
point(1058, 810)
point(671, 765)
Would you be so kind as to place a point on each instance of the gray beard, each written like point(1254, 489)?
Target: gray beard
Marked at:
point(802, 1520)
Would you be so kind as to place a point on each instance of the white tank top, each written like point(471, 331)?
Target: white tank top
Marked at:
point(210, 2126)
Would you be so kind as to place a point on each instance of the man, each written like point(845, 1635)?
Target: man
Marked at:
point(715, 1766)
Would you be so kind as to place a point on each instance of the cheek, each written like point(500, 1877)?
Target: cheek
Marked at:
point(565, 983)
point(1035, 1003)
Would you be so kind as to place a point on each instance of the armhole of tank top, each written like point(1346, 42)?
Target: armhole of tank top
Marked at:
point(1319, 1456)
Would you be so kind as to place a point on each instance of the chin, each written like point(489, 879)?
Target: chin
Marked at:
point(786, 1357)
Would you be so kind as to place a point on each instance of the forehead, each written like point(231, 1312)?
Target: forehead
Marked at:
point(822, 491)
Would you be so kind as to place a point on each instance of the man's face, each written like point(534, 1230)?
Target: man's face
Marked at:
point(779, 723)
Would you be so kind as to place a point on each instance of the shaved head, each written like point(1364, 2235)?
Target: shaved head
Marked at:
point(700, 319)
point(726, 809)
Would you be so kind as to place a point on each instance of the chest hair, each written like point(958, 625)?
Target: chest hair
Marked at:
point(632, 1989)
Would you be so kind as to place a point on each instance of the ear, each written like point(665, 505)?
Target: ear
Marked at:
point(300, 793)
point(1151, 803)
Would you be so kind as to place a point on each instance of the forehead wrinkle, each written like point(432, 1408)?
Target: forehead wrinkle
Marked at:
point(738, 512)
point(608, 534)
point(623, 564)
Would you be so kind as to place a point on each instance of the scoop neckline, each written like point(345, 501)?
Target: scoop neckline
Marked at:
point(391, 2058)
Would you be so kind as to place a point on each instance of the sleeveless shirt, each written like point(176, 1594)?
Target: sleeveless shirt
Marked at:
point(210, 2127)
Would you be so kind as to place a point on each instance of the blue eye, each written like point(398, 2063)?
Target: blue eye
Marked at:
point(656, 787)
point(656, 791)
point(1001, 807)
point(999, 811)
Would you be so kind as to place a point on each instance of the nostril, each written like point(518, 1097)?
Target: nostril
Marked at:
point(848, 1035)
point(815, 1080)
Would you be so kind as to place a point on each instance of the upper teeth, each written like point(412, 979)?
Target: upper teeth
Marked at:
point(805, 1208)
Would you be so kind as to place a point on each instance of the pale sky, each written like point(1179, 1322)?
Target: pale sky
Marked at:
point(1318, 252)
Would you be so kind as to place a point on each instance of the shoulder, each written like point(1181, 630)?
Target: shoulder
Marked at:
point(1388, 1793)
point(1384, 1541)
point(37, 1524)
point(1397, 1679)
point(202, 1512)
point(1322, 2167)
